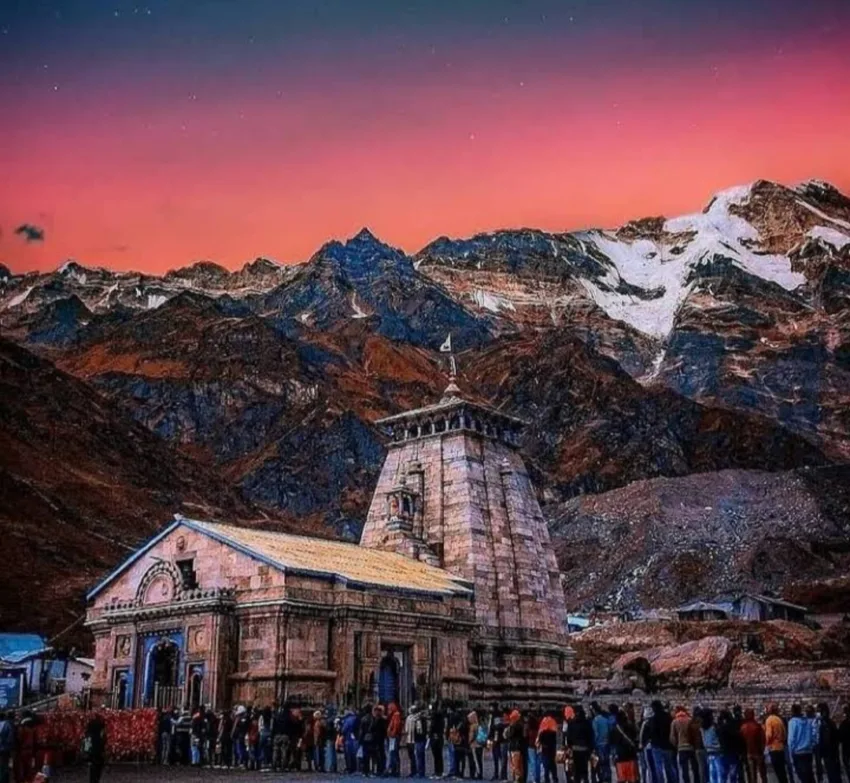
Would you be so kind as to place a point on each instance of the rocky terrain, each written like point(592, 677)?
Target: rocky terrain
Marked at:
point(772, 657)
point(663, 541)
point(685, 381)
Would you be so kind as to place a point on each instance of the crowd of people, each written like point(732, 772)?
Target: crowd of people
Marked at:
point(580, 745)
point(593, 744)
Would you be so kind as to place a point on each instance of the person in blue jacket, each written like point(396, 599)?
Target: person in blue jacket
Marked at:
point(801, 744)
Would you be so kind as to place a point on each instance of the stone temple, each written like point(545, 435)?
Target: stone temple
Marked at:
point(452, 593)
point(454, 493)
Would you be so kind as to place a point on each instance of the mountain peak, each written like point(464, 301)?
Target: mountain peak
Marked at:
point(261, 262)
point(70, 266)
point(198, 269)
point(364, 235)
point(363, 254)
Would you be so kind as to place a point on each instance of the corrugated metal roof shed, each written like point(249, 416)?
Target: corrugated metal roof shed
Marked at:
point(15, 646)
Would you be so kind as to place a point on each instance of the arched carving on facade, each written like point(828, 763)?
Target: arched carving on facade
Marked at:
point(159, 585)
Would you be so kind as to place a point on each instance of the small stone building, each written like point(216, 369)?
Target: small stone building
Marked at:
point(743, 606)
point(453, 592)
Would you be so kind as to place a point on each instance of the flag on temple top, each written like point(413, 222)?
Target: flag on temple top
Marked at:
point(446, 347)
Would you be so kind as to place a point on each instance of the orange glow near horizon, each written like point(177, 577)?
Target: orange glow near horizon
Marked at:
point(141, 186)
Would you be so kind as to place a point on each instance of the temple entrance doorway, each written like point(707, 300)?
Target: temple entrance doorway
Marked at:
point(121, 690)
point(395, 676)
point(196, 684)
point(163, 675)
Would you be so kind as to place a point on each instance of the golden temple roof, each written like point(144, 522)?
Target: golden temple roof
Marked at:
point(349, 562)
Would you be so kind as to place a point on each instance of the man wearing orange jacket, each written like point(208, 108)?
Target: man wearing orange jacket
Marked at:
point(775, 737)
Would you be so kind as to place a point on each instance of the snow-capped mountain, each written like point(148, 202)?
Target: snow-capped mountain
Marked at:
point(667, 348)
point(103, 290)
point(642, 273)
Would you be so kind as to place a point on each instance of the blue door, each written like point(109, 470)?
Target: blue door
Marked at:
point(388, 690)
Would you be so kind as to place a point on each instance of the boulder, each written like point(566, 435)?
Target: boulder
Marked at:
point(698, 664)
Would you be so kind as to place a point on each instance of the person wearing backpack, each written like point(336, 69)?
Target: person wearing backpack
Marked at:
point(477, 741)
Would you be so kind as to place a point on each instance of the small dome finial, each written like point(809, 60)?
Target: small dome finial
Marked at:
point(452, 392)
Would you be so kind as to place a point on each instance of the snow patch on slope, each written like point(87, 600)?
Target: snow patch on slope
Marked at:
point(359, 312)
point(491, 302)
point(823, 215)
point(639, 264)
point(19, 299)
point(830, 235)
point(104, 300)
point(156, 300)
point(652, 265)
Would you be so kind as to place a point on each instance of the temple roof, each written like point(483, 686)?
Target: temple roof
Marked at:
point(453, 401)
point(350, 563)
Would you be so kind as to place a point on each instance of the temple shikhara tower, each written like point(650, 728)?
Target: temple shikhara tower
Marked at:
point(453, 592)
point(454, 493)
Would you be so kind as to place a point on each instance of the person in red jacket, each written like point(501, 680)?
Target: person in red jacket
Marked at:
point(395, 726)
point(752, 732)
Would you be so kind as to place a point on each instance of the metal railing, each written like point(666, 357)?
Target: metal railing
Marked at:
point(167, 696)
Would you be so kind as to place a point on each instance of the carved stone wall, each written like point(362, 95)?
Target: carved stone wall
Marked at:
point(315, 640)
point(481, 518)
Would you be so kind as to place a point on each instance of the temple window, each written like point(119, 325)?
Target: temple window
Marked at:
point(187, 574)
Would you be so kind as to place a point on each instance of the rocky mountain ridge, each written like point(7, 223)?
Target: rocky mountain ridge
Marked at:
point(682, 350)
point(81, 485)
